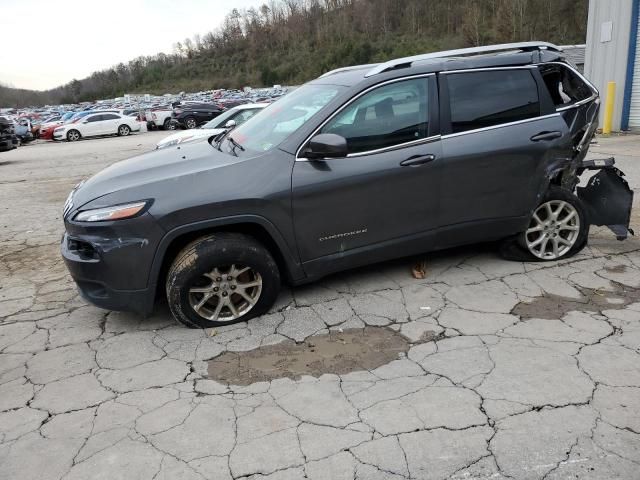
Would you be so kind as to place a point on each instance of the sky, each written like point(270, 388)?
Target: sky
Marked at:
point(46, 43)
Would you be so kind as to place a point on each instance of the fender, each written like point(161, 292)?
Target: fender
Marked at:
point(294, 269)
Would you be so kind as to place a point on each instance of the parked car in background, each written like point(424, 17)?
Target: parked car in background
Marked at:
point(229, 119)
point(192, 115)
point(97, 124)
point(24, 130)
point(160, 118)
point(8, 138)
point(46, 129)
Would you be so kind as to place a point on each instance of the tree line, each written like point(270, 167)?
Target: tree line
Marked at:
point(293, 41)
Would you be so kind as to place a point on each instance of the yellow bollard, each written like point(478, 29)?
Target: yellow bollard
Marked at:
point(608, 108)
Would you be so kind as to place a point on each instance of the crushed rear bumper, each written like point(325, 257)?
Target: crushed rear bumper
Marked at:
point(607, 196)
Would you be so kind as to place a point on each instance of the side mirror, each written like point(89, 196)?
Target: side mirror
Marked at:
point(326, 145)
point(230, 124)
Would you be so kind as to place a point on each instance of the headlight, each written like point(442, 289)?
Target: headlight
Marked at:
point(176, 141)
point(117, 212)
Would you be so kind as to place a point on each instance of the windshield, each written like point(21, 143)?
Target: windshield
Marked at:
point(272, 125)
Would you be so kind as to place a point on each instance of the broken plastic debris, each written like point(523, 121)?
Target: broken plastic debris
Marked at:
point(213, 332)
point(425, 308)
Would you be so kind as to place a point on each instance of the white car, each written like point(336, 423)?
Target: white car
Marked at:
point(160, 118)
point(236, 115)
point(96, 124)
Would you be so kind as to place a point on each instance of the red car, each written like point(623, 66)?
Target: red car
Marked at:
point(46, 130)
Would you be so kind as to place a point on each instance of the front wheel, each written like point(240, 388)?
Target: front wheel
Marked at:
point(124, 130)
point(221, 279)
point(558, 228)
point(73, 135)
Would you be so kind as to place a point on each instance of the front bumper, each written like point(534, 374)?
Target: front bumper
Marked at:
point(111, 261)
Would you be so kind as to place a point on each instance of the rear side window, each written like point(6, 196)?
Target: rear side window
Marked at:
point(95, 118)
point(485, 99)
point(109, 116)
point(564, 85)
point(390, 115)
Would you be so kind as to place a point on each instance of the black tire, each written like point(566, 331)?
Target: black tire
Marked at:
point(190, 122)
point(124, 130)
point(217, 250)
point(167, 124)
point(516, 248)
point(73, 135)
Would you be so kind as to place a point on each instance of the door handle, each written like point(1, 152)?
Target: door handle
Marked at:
point(417, 160)
point(545, 136)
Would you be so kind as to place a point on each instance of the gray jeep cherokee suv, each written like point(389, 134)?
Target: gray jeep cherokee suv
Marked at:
point(361, 165)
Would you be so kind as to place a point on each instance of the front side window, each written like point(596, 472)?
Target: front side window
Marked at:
point(565, 87)
point(273, 124)
point(488, 98)
point(390, 115)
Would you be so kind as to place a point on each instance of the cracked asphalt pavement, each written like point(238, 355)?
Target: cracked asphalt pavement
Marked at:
point(484, 390)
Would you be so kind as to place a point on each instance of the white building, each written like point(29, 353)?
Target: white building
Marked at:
point(613, 54)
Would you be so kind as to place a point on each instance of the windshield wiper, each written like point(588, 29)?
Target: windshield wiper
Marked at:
point(235, 145)
point(217, 140)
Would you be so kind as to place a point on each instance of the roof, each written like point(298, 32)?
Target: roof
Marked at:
point(476, 57)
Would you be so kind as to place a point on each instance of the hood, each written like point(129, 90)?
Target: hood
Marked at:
point(188, 135)
point(51, 124)
point(141, 172)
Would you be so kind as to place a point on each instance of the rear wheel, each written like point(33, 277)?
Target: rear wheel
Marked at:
point(558, 228)
point(167, 124)
point(190, 122)
point(73, 135)
point(221, 279)
point(124, 130)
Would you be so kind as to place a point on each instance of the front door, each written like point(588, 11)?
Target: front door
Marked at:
point(385, 192)
point(92, 125)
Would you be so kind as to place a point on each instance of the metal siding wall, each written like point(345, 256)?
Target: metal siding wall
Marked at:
point(634, 110)
point(605, 62)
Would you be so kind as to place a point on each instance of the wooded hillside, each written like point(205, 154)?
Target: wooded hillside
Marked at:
point(292, 41)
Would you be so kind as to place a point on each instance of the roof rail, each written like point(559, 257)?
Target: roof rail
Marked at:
point(523, 46)
point(347, 69)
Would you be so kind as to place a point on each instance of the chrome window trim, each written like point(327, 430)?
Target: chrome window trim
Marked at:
point(500, 125)
point(353, 99)
point(488, 69)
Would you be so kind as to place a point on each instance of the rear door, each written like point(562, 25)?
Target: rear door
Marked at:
point(500, 134)
point(110, 123)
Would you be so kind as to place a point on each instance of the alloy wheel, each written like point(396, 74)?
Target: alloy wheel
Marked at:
point(191, 123)
point(73, 136)
point(226, 293)
point(553, 230)
point(124, 130)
